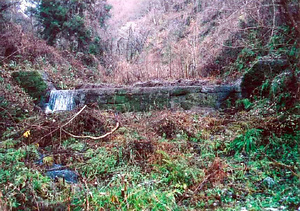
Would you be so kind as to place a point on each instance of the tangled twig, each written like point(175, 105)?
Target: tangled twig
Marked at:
point(199, 187)
point(92, 137)
point(61, 128)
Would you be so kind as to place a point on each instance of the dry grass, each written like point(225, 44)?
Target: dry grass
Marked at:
point(26, 51)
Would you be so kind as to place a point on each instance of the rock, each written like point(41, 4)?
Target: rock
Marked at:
point(97, 86)
point(256, 75)
point(269, 182)
point(176, 83)
point(68, 175)
point(59, 171)
point(282, 82)
point(49, 83)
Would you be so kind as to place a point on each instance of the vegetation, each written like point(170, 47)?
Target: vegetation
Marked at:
point(66, 20)
point(244, 157)
point(32, 82)
point(139, 169)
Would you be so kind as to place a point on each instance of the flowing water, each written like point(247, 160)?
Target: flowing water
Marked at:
point(61, 100)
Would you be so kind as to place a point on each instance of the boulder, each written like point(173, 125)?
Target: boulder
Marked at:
point(259, 72)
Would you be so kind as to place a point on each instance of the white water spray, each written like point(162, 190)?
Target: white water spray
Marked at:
point(61, 100)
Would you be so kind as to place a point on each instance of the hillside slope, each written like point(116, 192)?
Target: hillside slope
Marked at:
point(177, 39)
point(242, 157)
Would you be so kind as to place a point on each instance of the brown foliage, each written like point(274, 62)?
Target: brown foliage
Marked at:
point(22, 46)
point(47, 130)
point(15, 43)
point(179, 39)
point(14, 102)
point(216, 172)
point(185, 39)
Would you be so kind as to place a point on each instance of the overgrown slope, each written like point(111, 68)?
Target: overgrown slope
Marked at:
point(243, 157)
point(192, 39)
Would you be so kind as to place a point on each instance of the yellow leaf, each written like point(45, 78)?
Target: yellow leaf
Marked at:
point(48, 160)
point(26, 134)
point(114, 199)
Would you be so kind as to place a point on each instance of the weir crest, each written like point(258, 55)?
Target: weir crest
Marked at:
point(145, 98)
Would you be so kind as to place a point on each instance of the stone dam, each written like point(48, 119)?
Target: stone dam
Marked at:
point(145, 98)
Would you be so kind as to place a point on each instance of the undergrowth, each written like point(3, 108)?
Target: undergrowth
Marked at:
point(221, 161)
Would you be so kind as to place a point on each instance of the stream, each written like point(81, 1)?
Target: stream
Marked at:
point(57, 171)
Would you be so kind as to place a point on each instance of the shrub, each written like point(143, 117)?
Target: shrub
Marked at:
point(259, 73)
point(246, 142)
point(21, 186)
point(32, 82)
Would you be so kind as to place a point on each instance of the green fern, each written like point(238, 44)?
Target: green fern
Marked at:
point(245, 103)
point(246, 142)
point(265, 87)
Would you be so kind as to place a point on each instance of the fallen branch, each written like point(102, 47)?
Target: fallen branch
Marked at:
point(88, 192)
point(276, 163)
point(74, 116)
point(92, 137)
point(60, 128)
point(199, 187)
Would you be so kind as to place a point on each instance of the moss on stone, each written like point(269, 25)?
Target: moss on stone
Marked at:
point(32, 82)
point(180, 91)
point(210, 100)
point(187, 105)
point(203, 99)
point(141, 100)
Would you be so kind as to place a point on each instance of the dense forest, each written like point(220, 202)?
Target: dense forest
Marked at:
point(240, 155)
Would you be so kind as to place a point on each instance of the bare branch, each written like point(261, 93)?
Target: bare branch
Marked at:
point(6, 6)
point(285, 6)
point(92, 137)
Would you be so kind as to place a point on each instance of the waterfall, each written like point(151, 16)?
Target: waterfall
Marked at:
point(61, 100)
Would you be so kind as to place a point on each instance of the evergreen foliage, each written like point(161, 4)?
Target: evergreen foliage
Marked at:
point(68, 20)
point(270, 66)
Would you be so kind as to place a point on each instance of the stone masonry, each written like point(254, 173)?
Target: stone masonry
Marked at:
point(154, 98)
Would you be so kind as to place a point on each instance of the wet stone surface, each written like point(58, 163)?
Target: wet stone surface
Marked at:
point(57, 171)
